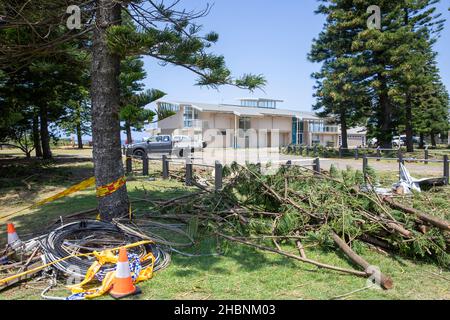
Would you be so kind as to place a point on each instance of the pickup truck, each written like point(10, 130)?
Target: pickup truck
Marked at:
point(164, 144)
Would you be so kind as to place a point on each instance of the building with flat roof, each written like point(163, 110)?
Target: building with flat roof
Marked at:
point(250, 124)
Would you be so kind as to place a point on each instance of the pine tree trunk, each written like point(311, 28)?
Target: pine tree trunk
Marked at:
point(433, 140)
point(128, 131)
point(344, 136)
point(45, 136)
point(384, 116)
point(107, 155)
point(36, 137)
point(79, 136)
point(409, 125)
point(422, 141)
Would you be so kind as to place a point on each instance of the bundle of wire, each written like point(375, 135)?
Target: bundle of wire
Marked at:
point(70, 241)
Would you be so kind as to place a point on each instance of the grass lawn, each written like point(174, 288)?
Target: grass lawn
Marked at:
point(240, 273)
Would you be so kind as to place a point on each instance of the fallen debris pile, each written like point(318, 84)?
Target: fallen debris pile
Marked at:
point(85, 249)
point(298, 207)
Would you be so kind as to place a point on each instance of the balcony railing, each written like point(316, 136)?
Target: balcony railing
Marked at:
point(325, 129)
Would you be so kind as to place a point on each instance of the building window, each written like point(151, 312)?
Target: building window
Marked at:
point(189, 116)
point(297, 131)
point(244, 123)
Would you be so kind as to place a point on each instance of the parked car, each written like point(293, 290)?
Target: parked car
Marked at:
point(185, 141)
point(397, 142)
point(372, 143)
point(164, 144)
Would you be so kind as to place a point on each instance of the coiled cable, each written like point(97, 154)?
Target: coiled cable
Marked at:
point(92, 235)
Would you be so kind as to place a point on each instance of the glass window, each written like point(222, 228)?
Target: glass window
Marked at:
point(189, 115)
point(244, 123)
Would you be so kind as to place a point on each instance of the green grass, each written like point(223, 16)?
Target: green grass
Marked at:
point(241, 272)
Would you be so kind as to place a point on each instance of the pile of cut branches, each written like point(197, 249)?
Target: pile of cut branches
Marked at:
point(297, 206)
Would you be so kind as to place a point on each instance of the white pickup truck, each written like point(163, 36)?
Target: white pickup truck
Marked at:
point(176, 145)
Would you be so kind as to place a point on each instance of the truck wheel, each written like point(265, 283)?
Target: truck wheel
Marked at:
point(139, 153)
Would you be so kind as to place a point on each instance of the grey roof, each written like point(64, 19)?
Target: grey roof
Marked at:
point(246, 111)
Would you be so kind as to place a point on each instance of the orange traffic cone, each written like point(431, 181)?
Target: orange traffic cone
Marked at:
point(13, 238)
point(123, 284)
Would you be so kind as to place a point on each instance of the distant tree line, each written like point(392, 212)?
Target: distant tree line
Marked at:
point(386, 79)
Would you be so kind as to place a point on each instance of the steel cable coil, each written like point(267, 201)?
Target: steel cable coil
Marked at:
point(91, 235)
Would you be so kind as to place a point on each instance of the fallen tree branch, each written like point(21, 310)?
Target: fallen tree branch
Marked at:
point(439, 223)
point(385, 281)
point(300, 247)
point(293, 256)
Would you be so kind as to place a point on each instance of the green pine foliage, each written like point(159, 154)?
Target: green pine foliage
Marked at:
point(379, 77)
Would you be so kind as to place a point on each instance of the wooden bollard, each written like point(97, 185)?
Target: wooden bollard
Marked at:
point(356, 154)
point(340, 151)
point(189, 172)
point(427, 155)
point(165, 167)
point(378, 154)
point(218, 175)
point(145, 162)
point(129, 165)
point(317, 165)
point(446, 170)
point(365, 166)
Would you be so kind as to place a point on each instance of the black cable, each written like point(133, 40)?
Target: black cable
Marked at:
point(94, 235)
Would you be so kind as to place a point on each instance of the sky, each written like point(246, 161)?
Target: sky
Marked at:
point(266, 37)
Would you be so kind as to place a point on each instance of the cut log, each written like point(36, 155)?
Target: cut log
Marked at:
point(398, 228)
point(385, 281)
point(437, 222)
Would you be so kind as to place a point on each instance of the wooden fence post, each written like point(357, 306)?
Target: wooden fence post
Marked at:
point(188, 172)
point(129, 165)
point(145, 164)
point(218, 175)
point(427, 155)
point(400, 156)
point(365, 166)
point(317, 165)
point(446, 170)
point(400, 160)
point(165, 167)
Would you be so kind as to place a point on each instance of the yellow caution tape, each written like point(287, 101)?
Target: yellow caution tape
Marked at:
point(78, 187)
point(104, 257)
point(111, 187)
point(101, 192)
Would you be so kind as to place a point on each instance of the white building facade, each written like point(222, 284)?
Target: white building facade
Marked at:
point(254, 123)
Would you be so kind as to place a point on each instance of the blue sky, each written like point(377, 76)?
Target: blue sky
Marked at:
point(268, 37)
